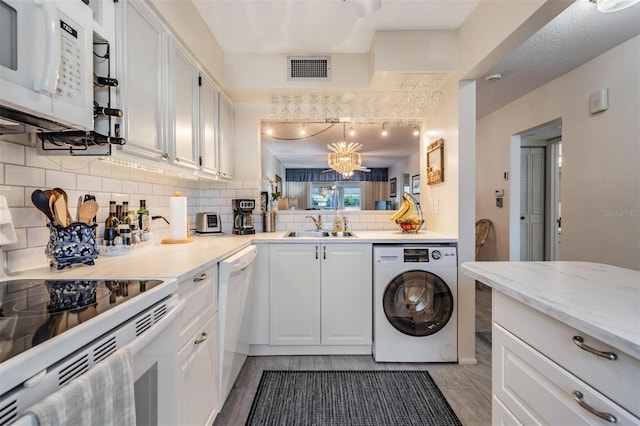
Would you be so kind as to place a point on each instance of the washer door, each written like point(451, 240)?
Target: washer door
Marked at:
point(418, 303)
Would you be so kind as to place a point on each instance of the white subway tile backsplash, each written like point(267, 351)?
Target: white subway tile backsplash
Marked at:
point(12, 153)
point(26, 217)
point(58, 179)
point(38, 236)
point(32, 159)
point(88, 183)
point(111, 185)
point(110, 182)
point(15, 195)
point(23, 176)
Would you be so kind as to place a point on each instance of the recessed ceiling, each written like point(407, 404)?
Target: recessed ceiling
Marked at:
point(574, 37)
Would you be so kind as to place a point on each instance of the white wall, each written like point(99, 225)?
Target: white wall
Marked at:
point(601, 158)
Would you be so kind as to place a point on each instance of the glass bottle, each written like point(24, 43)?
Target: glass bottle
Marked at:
point(111, 225)
point(124, 218)
point(143, 217)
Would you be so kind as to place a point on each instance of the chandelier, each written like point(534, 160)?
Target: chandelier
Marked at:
point(345, 158)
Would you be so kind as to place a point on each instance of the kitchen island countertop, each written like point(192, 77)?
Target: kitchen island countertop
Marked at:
point(601, 300)
point(182, 260)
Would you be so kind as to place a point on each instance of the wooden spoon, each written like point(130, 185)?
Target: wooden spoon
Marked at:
point(61, 211)
point(87, 211)
point(61, 192)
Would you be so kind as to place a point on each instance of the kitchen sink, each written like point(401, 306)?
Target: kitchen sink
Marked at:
point(316, 234)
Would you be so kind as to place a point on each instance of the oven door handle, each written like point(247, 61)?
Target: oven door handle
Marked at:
point(150, 335)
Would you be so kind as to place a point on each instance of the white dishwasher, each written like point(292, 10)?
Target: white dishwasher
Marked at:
point(234, 284)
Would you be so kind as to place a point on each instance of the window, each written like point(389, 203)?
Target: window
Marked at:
point(338, 195)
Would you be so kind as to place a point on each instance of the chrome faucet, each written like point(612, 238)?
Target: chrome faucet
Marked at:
point(317, 222)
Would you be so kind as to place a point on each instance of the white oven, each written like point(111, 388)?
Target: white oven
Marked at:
point(146, 325)
point(46, 65)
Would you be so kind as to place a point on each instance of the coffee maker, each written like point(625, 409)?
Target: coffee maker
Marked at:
point(243, 216)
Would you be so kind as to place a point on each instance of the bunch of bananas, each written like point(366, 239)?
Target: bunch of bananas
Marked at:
point(406, 208)
point(404, 217)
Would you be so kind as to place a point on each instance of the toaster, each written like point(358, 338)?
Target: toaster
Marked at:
point(208, 223)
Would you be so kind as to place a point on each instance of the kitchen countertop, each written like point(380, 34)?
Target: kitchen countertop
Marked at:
point(600, 300)
point(181, 260)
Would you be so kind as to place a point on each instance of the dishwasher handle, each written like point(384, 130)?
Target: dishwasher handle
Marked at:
point(240, 260)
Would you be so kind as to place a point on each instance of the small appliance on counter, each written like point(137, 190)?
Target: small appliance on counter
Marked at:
point(208, 223)
point(243, 216)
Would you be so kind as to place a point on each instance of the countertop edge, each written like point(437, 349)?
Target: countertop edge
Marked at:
point(502, 284)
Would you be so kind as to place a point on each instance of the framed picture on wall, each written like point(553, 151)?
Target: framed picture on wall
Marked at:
point(415, 184)
point(392, 187)
point(435, 162)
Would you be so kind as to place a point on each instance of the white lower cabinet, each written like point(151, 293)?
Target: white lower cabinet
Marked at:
point(198, 375)
point(320, 294)
point(539, 381)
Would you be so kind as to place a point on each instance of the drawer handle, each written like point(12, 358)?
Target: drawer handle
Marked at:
point(200, 278)
point(577, 396)
point(202, 338)
point(579, 341)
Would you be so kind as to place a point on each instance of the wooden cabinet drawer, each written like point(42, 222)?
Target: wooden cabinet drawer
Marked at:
point(538, 391)
point(618, 379)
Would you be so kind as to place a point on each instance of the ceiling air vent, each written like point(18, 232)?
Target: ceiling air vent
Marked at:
point(308, 67)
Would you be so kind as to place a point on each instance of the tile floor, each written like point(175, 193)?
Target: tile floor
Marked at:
point(466, 387)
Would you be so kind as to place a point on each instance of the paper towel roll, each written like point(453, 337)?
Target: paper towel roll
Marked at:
point(178, 215)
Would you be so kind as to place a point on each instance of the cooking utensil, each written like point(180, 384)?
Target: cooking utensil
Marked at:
point(41, 201)
point(61, 211)
point(52, 200)
point(78, 208)
point(61, 192)
point(87, 211)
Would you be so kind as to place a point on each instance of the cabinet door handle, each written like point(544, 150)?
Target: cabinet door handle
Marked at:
point(203, 337)
point(577, 396)
point(324, 252)
point(202, 277)
point(316, 252)
point(579, 342)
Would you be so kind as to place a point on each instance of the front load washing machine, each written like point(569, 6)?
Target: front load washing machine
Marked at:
point(415, 303)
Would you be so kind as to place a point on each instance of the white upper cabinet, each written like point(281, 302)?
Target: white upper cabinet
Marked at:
point(208, 127)
point(173, 112)
point(183, 108)
point(142, 53)
point(225, 138)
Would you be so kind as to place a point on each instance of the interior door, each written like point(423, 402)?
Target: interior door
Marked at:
point(532, 196)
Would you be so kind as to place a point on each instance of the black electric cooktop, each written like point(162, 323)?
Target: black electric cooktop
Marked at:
point(33, 311)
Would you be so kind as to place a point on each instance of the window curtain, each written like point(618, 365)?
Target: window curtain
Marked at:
point(370, 192)
point(322, 175)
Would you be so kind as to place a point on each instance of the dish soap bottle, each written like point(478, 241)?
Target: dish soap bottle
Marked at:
point(337, 223)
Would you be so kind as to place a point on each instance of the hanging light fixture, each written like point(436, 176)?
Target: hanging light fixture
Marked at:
point(613, 5)
point(416, 131)
point(303, 131)
point(352, 131)
point(384, 130)
point(344, 157)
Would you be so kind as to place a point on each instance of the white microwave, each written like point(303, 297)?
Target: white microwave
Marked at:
point(46, 65)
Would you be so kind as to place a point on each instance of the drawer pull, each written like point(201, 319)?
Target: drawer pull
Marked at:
point(579, 341)
point(202, 338)
point(577, 396)
point(200, 278)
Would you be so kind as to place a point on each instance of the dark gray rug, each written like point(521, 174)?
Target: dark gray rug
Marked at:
point(371, 398)
point(485, 337)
